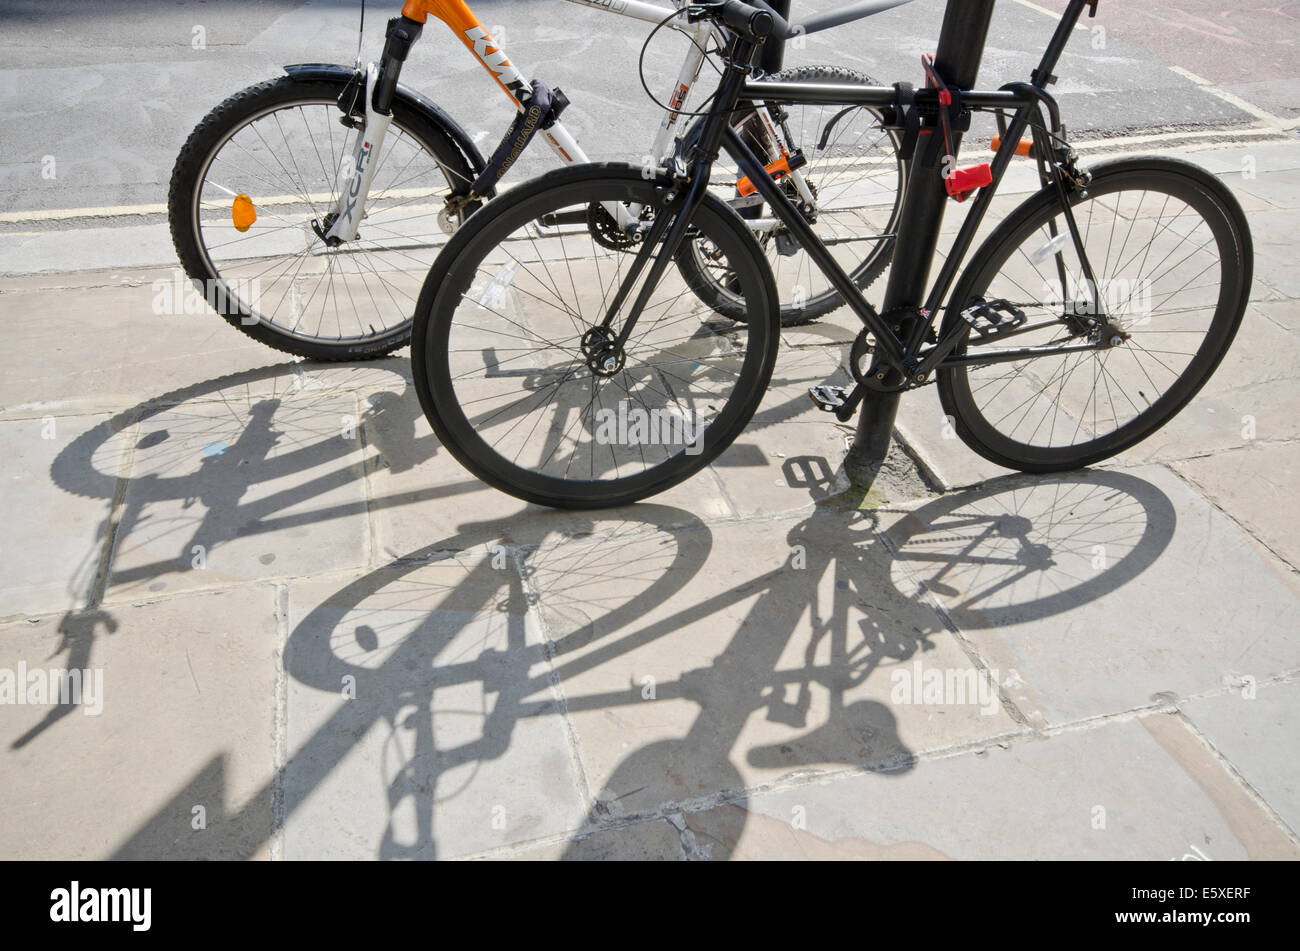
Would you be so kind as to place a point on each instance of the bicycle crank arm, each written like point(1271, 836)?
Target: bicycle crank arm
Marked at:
point(359, 169)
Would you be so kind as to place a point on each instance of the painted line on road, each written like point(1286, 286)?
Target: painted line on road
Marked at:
point(1250, 108)
point(100, 211)
point(1270, 134)
point(125, 211)
point(1047, 12)
point(1274, 131)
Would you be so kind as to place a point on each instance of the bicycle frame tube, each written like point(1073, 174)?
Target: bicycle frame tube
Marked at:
point(462, 21)
point(784, 209)
point(895, 349)
point(687, 76)
point(355, 177)
point(1024, 99)
point(669, 229)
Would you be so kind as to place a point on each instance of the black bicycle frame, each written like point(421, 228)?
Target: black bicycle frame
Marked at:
point(1026, 100)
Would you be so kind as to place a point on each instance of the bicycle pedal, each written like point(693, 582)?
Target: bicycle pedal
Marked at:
point(992, 318)
point(827, 397)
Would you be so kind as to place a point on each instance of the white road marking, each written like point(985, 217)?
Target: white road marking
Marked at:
point(121, 211)
point(1220, 93)
point(1274, 131)
point(1044, 10)
point(1188, 138)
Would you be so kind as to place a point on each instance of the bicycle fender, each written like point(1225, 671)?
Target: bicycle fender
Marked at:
point(306, 72)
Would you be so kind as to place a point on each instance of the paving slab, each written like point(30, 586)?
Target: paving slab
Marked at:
point(788, 455)
point(1285, 313)
point(186, 720)
point(421, 719)
point(91, 346)
point(1248, 724)
point(738, 668)
point(1252, 396)
point(1133, 790)
point(1128, 575)
point(783, 650)
point(419, 493)
point(931, 435)
point(655, 840)
point(54, 540)
point(1274, 238)
point(241, 489)
point(1255, 486)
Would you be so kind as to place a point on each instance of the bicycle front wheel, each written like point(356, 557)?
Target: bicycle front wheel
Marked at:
point(273, 153)
point(511, 357)
point(1118, 357)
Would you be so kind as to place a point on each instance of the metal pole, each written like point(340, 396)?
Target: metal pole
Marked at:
point(957, 61)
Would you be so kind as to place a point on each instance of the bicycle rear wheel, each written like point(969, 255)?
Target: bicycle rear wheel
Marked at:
point(855, 180)
point(509, 323)
point(1171, 252)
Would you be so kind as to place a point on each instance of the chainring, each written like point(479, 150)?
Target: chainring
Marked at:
point(606, 231)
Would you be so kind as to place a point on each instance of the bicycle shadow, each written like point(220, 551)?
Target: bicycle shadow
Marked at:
point(143, 460)
point(437, 778)
point(983, 549)
point(216, 465)
point(461, 664)
point(375, 657)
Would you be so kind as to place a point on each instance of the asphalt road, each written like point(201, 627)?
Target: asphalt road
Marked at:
point(110, 90)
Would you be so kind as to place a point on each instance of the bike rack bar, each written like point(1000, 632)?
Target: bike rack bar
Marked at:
point(957, 60)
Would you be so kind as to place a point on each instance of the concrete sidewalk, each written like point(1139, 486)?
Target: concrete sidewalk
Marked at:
point(311, 634)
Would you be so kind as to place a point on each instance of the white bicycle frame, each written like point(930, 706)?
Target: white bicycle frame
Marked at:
point(360, 165)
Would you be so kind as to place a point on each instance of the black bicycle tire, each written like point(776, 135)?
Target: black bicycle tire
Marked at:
point(210, 134)
point(454, 271)
point(1231, 228)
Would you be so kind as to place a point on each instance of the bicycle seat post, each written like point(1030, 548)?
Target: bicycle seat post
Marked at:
point(957, 61)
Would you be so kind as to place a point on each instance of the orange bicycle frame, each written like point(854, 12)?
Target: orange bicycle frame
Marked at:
point(462, 21)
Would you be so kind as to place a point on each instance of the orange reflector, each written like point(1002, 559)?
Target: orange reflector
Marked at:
point(242, 212)
point(1022, 147)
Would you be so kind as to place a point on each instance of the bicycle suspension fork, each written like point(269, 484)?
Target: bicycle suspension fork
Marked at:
point(358, 170)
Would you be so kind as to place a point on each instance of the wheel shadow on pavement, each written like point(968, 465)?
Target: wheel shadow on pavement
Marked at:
point(538, 614)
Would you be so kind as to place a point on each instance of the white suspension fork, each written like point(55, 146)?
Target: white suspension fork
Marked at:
point(359, 168)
